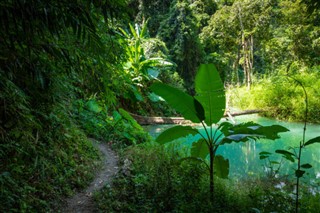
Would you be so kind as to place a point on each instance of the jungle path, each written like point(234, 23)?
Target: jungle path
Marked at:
point(82, 202)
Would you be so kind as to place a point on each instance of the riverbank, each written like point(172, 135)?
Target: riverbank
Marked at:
point(282, 97)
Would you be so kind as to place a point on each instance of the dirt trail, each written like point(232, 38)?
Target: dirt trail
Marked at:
point(82, 202)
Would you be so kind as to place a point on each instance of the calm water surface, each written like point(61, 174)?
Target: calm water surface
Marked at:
point(244, 157)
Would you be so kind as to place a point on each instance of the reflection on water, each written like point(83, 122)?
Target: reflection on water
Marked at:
point(244, 157)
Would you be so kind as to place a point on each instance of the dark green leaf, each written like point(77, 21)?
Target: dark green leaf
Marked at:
point(288, 155)
point(221, 166)
point(224, 127)
point(239, 138)
point(200, 149)
point(306, 166)
point(299, 173)
point(210, 93)
point(250, 130)
point(271, 132)
point(312, 141)
point(175, 133)
point(264, 155)
point(182, 102)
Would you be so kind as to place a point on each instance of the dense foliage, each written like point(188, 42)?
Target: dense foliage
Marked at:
point(155, 179)
point(70, 70)
point(281, 97)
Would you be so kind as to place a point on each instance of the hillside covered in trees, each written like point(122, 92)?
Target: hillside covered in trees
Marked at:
point(70, 70)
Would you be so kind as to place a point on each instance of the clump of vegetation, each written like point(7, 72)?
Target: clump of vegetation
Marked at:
point(154, 178)
point(157, 180)
point(207, 109)
point(281, 97)
point(36, 175)
point(117, 128)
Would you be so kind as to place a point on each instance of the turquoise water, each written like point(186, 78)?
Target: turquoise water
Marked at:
point(244, 157)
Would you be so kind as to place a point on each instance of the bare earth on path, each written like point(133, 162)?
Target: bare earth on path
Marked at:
point(82, 202)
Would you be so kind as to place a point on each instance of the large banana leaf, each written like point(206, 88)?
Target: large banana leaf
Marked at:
point(221, 167)
point(210, 93)
point(175, 133)
point(200, 149)
point(250, 130)
point(189, 107)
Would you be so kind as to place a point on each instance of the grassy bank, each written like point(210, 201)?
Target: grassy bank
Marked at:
point(281, 97)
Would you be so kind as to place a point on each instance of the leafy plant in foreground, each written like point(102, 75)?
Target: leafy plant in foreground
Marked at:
point(207, 108)
point(296, 154)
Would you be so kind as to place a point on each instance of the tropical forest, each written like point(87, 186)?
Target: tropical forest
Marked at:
point(160, 106)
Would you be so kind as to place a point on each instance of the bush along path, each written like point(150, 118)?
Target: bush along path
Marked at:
point(83, 202)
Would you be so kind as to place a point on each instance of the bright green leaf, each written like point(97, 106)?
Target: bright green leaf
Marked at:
point(175, 133)
point(210, 93)
point(182, 102)
point(130, 119)
point(93, 106)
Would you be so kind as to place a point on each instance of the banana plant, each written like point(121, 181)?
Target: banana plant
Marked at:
point(207, 108)
point(138, 67)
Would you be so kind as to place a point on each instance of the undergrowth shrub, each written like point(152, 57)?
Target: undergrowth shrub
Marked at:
point(156, 180)
point(40, 165)
point(115, 128)
point(281, 97)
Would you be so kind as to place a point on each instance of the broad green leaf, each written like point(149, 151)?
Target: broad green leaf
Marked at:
point(182, 102)
point(239, 138)
point(130, 119)
point(175, 133)
point(288, 155)
point(200, 149)
point(136, 93)
point(299, 173)
point(312, 141)
point(210, 93)
point(250, 130)
point(224, 127)
point(264, 155)
point(154, 98)
point(306, 166)
point(153, 73)
point(271, 132)
point(221, 166)
point(116, 116)
point(93, 106)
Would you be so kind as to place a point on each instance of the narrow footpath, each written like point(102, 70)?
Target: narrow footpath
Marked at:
point(83, 202)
